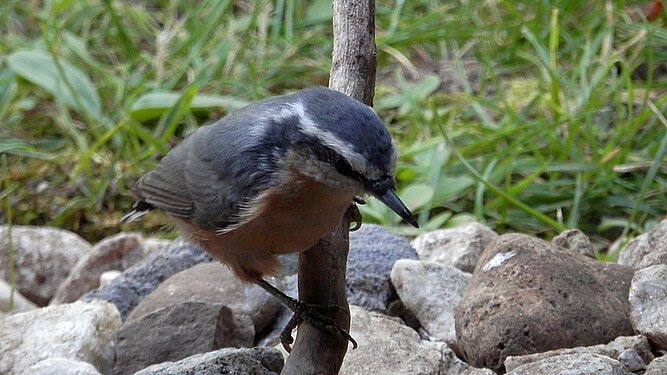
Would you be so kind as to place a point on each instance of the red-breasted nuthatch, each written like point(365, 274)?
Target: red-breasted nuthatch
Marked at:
point(273, 178)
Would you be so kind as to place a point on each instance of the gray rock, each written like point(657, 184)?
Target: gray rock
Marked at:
point(106, 255)
point(78, 331)
point(657, 367)
point(632, 360)
point(431, 291)
point(458, 247)
point(386, 346)
point(653, 243)
point(255, 361)
point(528, 296)
point(61, 366)
point(575, 240)
point(179, 331)
point(637, 344)
point(573, 364)
point(212, 283)
point(43, 258)
point(19, 302)
point(373, 251)
point(127, 290)
point(648, 300)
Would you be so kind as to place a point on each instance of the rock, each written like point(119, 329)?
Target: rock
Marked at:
point(637, 344)
point(573, 364)
point(458, 247)
point(575, 240)
point(657, 367)
point(653, 243)
point(373, 252)
point(152, 245)
point(107, 277)
point(61, 366)
point(648, 300)
point(78, 331)
point(256, 361)
point(179, 331)
point(107, 255)
point(138, 281)
point(528, 296)
point(43, 258)
point(632, 361)
point(386, 346)
point(431, 291)
point(20, 303)
point(212, 283)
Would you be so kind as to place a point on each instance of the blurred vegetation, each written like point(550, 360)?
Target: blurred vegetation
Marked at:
point(527, 116)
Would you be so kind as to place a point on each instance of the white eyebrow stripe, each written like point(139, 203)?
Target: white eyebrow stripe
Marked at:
point(308, 126)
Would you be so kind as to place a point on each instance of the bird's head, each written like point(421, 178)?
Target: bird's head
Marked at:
point(342, 143)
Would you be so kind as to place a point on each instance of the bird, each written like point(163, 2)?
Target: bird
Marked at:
point(273, 178)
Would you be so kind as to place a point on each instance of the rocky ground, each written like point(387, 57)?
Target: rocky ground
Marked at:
point(454, 301)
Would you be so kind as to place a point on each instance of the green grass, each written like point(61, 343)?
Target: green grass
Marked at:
point(549, 122)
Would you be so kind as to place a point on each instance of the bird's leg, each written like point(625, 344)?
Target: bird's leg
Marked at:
point(305, 312)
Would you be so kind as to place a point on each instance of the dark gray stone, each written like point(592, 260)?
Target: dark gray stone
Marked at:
point(252, 361)
point(632, 360)
point(528, 296)
point(373, 252)
point(127, 290)
point(177, 332)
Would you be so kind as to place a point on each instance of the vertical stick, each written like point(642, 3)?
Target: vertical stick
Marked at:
point(322, 267)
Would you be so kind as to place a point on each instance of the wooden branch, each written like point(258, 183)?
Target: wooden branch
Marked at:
point(322, 267)
point(353, 61)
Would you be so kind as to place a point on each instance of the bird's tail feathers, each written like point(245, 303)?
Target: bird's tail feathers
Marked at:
point(139, 209)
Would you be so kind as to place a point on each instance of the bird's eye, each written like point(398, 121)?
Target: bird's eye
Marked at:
point(343, 167)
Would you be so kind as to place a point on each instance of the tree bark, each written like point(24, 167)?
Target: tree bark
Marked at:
point(322, 267)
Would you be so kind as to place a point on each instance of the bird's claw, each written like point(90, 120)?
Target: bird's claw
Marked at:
point(353, 216)
point(310, 314)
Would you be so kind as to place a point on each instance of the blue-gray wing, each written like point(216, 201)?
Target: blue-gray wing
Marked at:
point(213, 174)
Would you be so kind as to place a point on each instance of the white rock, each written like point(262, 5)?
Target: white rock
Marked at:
point(657, 367)
point(431, 291)
point(61, 366)
point(646, 250)
point(43, 258)
point(573, 364)
point(458, 247)
point(638, 345)
point(80, 331)
point(386, 346)
point(648, 304)
point(21, 304)
point(107, 277)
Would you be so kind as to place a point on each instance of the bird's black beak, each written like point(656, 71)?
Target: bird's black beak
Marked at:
point(384, 191)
